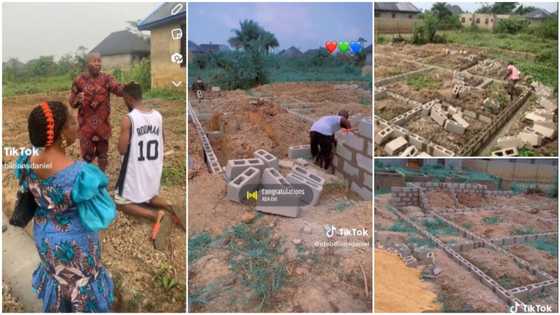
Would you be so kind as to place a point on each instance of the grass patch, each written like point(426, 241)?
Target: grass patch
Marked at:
point(165, 94)
point(37, 85)
point(467, 226)
point(491, 220)
point(438, 227)
point(198, 245)
point(174, 174)
point(548, 246)
point(542, 65)
point(505, 281)
point(421, 242)
point(255, 260)
point(420, 82)
point(523, 231)
point(402, 226)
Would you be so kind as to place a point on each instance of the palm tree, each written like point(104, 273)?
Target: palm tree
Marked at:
point(249, 34)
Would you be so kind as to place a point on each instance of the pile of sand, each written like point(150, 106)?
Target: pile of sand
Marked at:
point(399, 289)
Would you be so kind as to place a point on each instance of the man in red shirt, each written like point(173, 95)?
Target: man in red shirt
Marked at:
point(91, 94)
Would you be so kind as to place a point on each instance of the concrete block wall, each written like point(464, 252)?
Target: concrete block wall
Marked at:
point(485, 279)
point(353, 158)
point(405, 196)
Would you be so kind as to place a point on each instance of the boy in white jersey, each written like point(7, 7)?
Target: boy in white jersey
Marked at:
point(141, 142)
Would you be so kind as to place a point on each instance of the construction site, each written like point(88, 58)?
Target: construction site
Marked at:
point(272, 257)
point(449, 100)
point(466, 235)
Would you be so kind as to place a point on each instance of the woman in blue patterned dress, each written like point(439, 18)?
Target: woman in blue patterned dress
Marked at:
point(73, 205)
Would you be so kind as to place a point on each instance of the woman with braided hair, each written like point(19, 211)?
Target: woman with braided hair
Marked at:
point(72, 206)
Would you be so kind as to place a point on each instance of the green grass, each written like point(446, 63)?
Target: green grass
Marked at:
point(174, 174)
point(419, 242)
point(543, 68)
point(523, 231)
point(505, 281)
point(548, 246)
point(198, 245)
point(491, 220)
point(37, 85)
point(255, 260)
point(402, 226)
point(420, 82)
point(438, 227)
point(64, 83)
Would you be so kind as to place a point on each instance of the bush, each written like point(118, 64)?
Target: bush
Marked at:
point(241, 70)
point(427, 31)
point(547, 29)
point(380, 40)
point(512, 25)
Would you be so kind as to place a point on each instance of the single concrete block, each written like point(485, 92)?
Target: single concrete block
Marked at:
point(364, 162)
point(355, 142)
point(365, 128)
point(308, 174)
point(470, 114)
point(294, 178)
point(272, 176)
point(417, 141)
point(530, 136)
point(363, 192)
point(383, 135)
point(438, 116)
point(410, 151)
point(484, 119)
point(343, 151)
point(367, 180)
point(268, 159)
point(460, 120)
point(350, 170)
point(545, 131)
point(393, 147)
point(506, 152)
point(545, 123)
point(299, 151)
point(532, 116)
point(454, 127)
point(423, 155)
point(438, 150)
point(251, 176)
point(236, 167)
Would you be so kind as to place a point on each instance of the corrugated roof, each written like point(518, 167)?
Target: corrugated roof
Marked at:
point(122, 42)
point(162, 15)
point(396, 7)
point(538, 13)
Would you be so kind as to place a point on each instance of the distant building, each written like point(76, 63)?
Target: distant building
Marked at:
point(537, 15)
point(291, 52)
point(395, 17)
point(121, 49)
point(486, 21)
point(162, 24)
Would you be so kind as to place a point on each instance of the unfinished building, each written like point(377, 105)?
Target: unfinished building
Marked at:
point(443, 101)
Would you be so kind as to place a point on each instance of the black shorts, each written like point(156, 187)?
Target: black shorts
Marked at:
point(321, 145)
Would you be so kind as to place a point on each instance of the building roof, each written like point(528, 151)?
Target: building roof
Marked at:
point(122, 42)
point(538, 14)
point(291, 52)
point(206, 48)
point(396, 7)
point(455, 9)
point(162, 15)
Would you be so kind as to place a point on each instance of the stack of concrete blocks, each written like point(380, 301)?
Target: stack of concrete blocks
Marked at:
point(353, 158)
point(313, 182)
point(506, 241)
point(263, 170)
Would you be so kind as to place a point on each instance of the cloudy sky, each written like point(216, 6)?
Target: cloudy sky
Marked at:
point(303, 25)
point(472, 6)
point(31, 30)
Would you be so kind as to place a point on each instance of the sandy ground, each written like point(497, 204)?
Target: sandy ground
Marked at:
point(10, 304)
point(398, 288)
point(127, 251)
